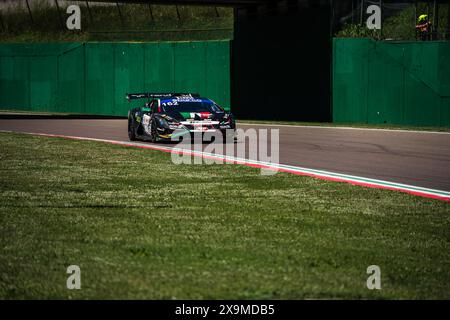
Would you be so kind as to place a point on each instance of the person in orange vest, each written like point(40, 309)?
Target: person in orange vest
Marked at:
point(423, 27)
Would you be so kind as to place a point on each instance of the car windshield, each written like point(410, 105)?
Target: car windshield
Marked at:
point(190, 106)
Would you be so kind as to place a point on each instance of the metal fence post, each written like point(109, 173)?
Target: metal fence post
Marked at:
point(59, 15)
point(1, 22)
point(151, 11)
point(381, 17)
point(435, 21)
point(29, 12)
point(120, 14)
point(90, 13)
point(361, 13)
point(447, 29)
point(178, 12)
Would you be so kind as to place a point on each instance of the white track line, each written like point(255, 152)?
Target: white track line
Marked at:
point(342, 128)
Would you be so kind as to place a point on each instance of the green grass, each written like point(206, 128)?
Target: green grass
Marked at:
point(399, 25)
point(353, 125)
point(142, 227)
point(137, 24)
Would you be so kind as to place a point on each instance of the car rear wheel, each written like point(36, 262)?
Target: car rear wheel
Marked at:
point(131, 130)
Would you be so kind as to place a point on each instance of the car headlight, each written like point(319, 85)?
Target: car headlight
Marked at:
point(162, 122)
point(170, 124)
point(175, 126)
point(227, 120)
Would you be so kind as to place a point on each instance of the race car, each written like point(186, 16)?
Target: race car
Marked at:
point(171, 116)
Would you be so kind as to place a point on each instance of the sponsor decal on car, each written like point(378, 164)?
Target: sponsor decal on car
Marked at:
point(194, 123)
point(146, 119)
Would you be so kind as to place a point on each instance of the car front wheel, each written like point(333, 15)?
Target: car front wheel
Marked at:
point(153, 134)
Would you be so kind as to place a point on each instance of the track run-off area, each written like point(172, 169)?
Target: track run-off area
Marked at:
point(416, 162)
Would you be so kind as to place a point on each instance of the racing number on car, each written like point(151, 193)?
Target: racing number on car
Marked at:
point(173, 103)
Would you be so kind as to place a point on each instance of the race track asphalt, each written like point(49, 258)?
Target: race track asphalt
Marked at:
point(410, 157)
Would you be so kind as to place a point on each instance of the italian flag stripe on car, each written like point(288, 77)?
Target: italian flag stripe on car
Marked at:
point(202, 115)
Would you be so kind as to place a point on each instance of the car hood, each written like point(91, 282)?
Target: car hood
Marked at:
point(197, 116)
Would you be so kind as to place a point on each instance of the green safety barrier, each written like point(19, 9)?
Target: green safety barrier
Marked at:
point(92, 78)
point(391, 82)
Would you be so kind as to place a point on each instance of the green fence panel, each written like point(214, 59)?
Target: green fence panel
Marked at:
point(189, 74)
point(384, 98)
point(350, 67)
point(159, 67)
point(14, 83)
point(92, 78)
point(43, 82)
point(422, 105)
point(70, 81)
point(35, 49)
point(391, 82)
point(445, 109)
point(217, 72)
point(99, 75)
point(129, 75)
point(444, 68)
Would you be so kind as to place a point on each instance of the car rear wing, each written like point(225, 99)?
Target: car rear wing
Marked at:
point(150, 95)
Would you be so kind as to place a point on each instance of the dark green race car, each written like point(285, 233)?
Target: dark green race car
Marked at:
point(169, 116)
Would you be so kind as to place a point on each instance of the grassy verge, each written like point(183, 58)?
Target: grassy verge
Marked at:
point(353, 125)
point(142, 227)
point(107, 22)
